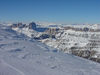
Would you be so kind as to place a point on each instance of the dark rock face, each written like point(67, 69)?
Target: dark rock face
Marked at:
point(86, 29)
point(32, 25)
point(14, 25)
point(19, 25)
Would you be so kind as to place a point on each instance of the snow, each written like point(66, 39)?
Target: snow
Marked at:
point(20, 55)
point(65, 39)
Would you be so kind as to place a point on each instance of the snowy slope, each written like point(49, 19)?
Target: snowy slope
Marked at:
point(19, 55)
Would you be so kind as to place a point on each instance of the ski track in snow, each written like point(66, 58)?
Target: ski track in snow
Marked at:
point(20, 72)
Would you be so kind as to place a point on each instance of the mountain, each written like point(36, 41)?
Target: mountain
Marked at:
point(80, 40)
point(21, 55)
point(83, 41)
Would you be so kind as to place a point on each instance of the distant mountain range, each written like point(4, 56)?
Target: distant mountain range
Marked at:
point(80, 40)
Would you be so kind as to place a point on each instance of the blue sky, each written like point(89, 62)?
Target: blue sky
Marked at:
point(58, 11)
